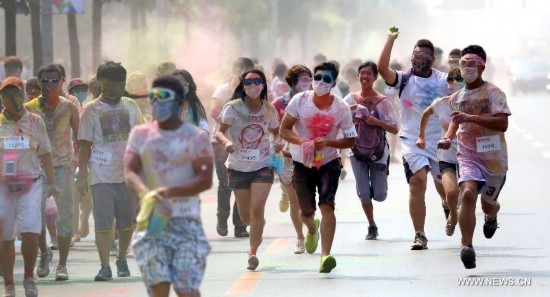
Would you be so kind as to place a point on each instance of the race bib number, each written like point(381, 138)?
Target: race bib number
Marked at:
point(249, 155)
point(185, 207)
point(488, 144)
point(350, 133)
point(100, 157)
point(203, 124)
point(17, 143)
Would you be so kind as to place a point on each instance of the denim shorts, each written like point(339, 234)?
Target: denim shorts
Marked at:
point(371, 180)
point(64, 177)
point(239, 180)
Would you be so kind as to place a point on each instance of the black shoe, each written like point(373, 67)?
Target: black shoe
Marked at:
point(489, 228)
point(468, 257)
point(241, 232)
point(222, 229)
point(373, 233)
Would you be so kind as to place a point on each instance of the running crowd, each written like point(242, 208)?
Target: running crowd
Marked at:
point(137, 158)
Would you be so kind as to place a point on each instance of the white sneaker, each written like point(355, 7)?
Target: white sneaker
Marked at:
point(9, 291)
point(30, 287)
point(300, 247)
point(44, 264)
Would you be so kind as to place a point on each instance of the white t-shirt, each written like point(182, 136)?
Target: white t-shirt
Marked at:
point(249, 133)
point(419, 93)
point(107, 127)
point(222, 93)
point(386, 113)
point(442, 109)
point(167, 160)
point(313, 122)
point(478, 144)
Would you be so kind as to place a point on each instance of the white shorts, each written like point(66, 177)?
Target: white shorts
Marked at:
point(23, 213)
point(492, 183)
point(415, 158)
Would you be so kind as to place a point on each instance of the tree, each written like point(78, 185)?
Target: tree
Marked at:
point(96, 32)
point(36, 34)
point(74, 46)
point(10, 11)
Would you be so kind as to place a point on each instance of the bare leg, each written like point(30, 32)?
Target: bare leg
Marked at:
point(417, 200)
point(328, 228)
point(467, 212)
point(294, 211)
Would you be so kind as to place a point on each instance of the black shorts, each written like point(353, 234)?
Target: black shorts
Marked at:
point(447, 167)
point(239, 180)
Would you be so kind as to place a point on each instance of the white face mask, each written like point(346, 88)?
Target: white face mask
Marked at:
point(469, 74)
point(253, 91)
point(321, 88)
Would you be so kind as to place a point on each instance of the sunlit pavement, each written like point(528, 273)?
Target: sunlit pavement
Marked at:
point(513, 263)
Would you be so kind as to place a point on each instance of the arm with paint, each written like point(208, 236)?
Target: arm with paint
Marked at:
point(389, 75)
point(498, 122)
point(445, 142)
point(421, 141)
point(47, 164)
point(286, 130)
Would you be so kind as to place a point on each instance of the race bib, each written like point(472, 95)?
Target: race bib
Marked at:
point(16, 143)
point(203, 124)
point(249, 155)
point(185, 207)
point(488, 144)
point(350, 133)
point(101, 157)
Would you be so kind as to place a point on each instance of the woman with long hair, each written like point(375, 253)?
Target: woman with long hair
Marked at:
point(192, 108)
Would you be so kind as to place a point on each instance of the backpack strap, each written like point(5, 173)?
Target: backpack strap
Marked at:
point(404, 81)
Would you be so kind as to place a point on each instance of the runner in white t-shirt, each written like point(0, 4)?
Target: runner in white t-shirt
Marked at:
point(418, 88)
point(479, 120)
point(311, 124)
point(441, 107)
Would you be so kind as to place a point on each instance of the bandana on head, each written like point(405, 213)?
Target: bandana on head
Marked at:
point(474, 57)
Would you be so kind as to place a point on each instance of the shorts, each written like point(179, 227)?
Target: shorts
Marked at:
point(491, 183)
point(177, 255)
point(113, 201)
point(286, 176)
point(415, 158)
point(239, 180)
point(306, 181)
point(22, 214)
point(64, 177)
point(371, 180)
point(447, 167)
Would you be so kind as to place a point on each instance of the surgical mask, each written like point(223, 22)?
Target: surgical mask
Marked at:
point(469, 74)
point(321, 88)
point(253, 91)
point(164, 111)
point(81, 96)
point(303, 85)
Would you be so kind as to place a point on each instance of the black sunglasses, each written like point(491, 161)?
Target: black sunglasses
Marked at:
point(256, 81)
point(50, 80)
point(455, 78)
point(326, 78)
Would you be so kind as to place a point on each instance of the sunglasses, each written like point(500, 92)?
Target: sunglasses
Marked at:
point(256, 81)
point(53, 81)
point(455, 78)
point(162, 95)
point(326, 78)
point(421, 55)
point(468, 63)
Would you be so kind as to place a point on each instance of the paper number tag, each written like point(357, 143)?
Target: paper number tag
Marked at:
point(16, 143)
point(185, 208)
point(350, 133)
point(203, 124)
point(488, 144)
point(100, 157)
point(249, 155)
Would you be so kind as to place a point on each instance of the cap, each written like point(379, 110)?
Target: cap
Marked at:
point(76, 82)
point(12, 81)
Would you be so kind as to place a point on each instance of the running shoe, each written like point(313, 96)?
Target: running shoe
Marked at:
point(61, 273)
point(489, 228)
point(420, 242)
point(122, 268)
point(327, 264)
point(312, 240)
point(104, 274)
point(30, 287)
point(253, 262)
point(300, 247)
point(468, 257)
point(44, 264)
point(9, 291)
point(373, 233)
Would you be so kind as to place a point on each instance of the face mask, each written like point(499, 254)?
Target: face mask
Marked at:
point(81, 96)
point(163, 111)
point(321, 88)
point(253, 91)
point(185, 91)
point(421, 65)
point(302, 86)
point(469, 74)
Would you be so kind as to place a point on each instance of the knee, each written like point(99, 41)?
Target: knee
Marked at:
point(326, 209)
point(417, 184)
point(469, 196)
point(380, 197)
point(453, 193)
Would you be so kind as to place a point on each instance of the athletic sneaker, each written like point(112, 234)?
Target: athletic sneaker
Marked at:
point(9, 291)
point(253, 262)
point(61, 273)
point(240, 232)
point(221, 228)
point(104, 274)
point(284, 203)
point(450, 228)
point(44, 264)
point(373, 233)
point(30, 287)
point(122, 269)
point(53, 246)
point(420, 242)
point(489, 228)
point(327, 264)
point(468, 257)
point(312, 240)
point(300, 247)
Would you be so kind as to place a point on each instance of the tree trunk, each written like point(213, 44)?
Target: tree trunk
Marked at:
point(46, 26)
point(9, 18)
point(74, 45)
point(36, 35)
point(96, 33)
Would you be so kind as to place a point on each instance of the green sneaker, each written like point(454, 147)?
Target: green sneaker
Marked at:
point(327, 264)
point(312, 240)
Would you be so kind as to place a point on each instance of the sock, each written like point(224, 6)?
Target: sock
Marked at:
point(9, 282)
point(29, 273)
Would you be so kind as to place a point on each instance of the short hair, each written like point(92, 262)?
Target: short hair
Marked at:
point(370, 64)
point(320, 57)
point(336, 63)
point(166, 68)
point(454, 52)
point(242, 64)
point(292, 73)
point(32, 83)
point(13, 62)
point(327, 66)
point(49, 68)
point(425, 43)
point(111, 70)
point(474, 49)
point(63, 73)
point(169, 82)
point(239, 91)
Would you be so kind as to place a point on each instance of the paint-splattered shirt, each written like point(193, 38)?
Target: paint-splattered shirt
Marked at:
point(482, 145)
point(442, 108)
point(167, 159)
point(107, 127)
point(313, 122)
point(249, 132)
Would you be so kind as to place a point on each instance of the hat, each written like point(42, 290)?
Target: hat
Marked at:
point(12, 81)
point(75, 82)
